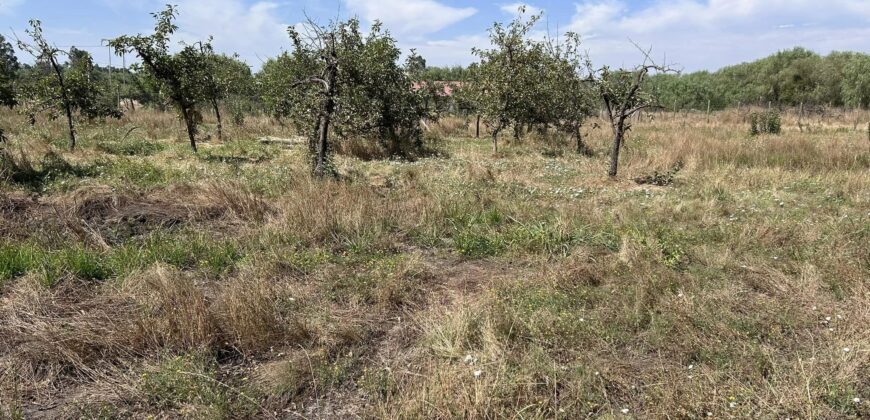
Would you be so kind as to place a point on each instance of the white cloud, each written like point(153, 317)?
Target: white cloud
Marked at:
point(448, 52)
point(713, 33)
point(407, 17)
point(254, 31)
point(514, 9)
point(8, 6)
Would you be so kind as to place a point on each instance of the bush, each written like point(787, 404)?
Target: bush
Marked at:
point(767, 122)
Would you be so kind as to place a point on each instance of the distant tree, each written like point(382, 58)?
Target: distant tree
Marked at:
point(9, 68)
point(446, 74)
point(855, 84)
point(274, 82)
point(222, 77)
point(429, 89)
point(88, 92)
point(791, 78)
point(51, 89)
point(179, 75)
point(236, 82)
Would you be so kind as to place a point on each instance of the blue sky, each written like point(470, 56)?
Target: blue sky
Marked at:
point(694, 34)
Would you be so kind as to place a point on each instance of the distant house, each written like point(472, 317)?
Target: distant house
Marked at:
point(447, 88)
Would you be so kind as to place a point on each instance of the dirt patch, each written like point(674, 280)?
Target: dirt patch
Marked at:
point(101, 214)
point(117, 217)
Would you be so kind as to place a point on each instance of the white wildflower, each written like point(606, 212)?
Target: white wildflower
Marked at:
point(477, 373)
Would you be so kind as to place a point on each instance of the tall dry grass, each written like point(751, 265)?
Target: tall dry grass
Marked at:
point(523, 284)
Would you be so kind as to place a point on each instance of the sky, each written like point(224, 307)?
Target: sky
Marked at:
point(687, 34)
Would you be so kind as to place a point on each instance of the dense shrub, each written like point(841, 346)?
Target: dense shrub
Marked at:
point(768, 122)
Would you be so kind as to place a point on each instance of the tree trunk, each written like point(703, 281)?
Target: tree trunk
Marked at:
point(69, 121)
point(495, 139)
point(614, 152)
point(326, 116)
point(190, 125)
point(477, 128)
point(217, 113)
point(67, 106)
point(322, 144)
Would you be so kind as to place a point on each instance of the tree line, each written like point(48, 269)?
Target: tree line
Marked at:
point(787, 78)
point(338, 82)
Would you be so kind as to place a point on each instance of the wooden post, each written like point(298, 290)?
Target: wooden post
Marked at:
point(801, 117)
point(477, 128)
point(708, 110)
point(675, 109)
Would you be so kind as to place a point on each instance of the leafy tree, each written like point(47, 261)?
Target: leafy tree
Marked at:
point(50, 89)
point(179, 75)
point(9, 67)
point(337, 80)
point(500, 83)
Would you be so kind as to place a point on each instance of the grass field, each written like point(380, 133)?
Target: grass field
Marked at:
point(138, 279)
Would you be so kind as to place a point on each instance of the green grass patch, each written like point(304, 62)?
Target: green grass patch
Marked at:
point(187, 251)
point(189, 384)
point(133, 146)
point(237, 152)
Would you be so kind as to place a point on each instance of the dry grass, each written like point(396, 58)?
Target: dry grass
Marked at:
point(139, 280)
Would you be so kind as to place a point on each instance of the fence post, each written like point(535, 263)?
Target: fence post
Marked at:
point(801, 117)
point(708, 110)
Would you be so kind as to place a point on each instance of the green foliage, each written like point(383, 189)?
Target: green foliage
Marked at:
point(9, 67)
point(242, 151)
point(49, 88)
point(661, 179)
point(767, 122)
point(50, 170)
point(789, 77)
point(339, 80)
point(502, 83)
point(524, 82)
point(51, 266)
point(445, 74)
point(224, 79)
point(89, 94)
point(131, 146)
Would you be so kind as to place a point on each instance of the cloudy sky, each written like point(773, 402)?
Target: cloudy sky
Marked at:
point(695, 34)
